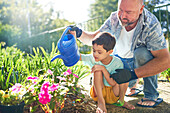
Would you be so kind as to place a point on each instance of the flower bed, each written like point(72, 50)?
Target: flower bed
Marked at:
point(38, 81)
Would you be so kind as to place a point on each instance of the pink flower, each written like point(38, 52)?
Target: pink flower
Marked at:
point(68, 72)
point(45, 86)
point(54, 87)
point(29, 78)
point(16, 87)
point(61, 78)
point(44, 98)
point(76, 75)
point(49, 72)
point(32, 78)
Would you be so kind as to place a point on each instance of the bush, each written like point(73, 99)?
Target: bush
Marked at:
point(16, 65)
point(166, 74)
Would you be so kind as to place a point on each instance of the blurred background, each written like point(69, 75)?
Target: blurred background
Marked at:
point(39, 23)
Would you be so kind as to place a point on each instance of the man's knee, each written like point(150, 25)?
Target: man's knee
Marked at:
point(142, 56)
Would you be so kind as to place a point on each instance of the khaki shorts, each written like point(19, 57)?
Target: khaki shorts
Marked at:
point(108, 95)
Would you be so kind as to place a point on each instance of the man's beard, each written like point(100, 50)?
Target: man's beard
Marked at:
point(127, 23)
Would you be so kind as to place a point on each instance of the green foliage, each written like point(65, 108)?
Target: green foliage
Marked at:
point(11, 96)
point(15, 65)
point(163, 16)
point(21, 19)
point(166, 74)
point(8, 31)
point(11, 67)
point(103, 7)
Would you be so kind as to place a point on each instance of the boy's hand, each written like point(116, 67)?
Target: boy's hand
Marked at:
point(123, 76)
point(97, 68)
point(76, 29)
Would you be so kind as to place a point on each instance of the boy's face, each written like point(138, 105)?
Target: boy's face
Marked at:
point(99, 53)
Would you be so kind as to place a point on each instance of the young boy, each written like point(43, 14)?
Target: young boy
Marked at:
point(105, 89)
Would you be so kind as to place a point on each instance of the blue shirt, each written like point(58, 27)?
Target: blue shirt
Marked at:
point(148, 31)
point(116, 63)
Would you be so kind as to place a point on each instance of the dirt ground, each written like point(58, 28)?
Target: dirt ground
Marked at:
point(164, 107)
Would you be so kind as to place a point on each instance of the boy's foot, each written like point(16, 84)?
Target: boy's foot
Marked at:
point(128, 106)
point(101, 109)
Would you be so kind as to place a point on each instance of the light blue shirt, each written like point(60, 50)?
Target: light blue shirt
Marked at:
point(148, 31)
point(116, 63)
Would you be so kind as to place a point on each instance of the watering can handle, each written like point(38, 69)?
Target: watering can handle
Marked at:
point(64, 33)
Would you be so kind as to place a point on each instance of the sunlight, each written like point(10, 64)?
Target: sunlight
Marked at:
point(72, 10)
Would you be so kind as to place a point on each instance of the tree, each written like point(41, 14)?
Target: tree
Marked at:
point(20, 18)
point(103, 8)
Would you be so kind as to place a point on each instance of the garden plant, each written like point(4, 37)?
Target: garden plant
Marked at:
point(43, 83)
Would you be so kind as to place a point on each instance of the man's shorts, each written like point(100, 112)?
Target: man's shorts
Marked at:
point(108, 95)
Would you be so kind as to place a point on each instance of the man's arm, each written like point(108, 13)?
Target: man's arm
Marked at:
point(159, 63)
point(87, 37)
point(83, 36)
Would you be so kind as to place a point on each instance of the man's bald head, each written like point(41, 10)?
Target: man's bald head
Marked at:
point(138, 1)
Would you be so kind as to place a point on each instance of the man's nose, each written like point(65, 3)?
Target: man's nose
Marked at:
point(122, 14)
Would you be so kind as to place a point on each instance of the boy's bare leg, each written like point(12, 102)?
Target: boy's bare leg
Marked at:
point(122, 89)
point(98, 85)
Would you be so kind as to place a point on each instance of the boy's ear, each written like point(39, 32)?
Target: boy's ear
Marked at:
point(110, 51)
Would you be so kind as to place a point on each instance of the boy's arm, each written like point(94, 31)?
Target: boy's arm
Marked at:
point(105, 72)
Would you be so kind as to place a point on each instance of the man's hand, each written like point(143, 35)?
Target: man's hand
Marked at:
point(123, 76)
point(78, 30)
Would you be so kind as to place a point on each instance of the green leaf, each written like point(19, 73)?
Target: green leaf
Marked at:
point(8, 78)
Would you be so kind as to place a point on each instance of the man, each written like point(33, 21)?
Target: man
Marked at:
point(140, 45)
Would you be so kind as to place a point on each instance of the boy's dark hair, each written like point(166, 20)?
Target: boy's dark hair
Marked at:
point(106, 39)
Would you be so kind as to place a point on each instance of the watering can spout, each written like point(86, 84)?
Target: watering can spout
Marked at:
point(58, 56)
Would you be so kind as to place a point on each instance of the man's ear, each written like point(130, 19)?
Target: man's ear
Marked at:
point(141, 10)
point(110, 51)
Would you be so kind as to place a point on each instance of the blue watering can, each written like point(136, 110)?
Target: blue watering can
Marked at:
point(68, 49)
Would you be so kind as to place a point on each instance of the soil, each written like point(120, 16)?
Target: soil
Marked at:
point(164, 92)
point(87, 105)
